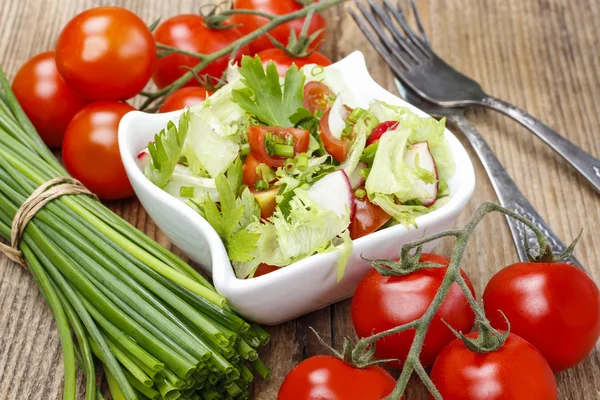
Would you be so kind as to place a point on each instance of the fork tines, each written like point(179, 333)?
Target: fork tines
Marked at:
point(389, 32)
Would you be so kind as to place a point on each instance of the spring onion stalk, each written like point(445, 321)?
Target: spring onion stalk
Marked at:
point(158, 327)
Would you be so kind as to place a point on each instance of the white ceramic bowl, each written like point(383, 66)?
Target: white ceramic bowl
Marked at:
point(309, 284)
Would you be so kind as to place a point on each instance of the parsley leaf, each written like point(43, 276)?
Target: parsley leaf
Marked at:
point(263, 96)
point(227, 221)
point(166, 150)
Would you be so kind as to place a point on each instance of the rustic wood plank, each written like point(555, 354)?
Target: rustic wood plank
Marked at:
point(540, 54)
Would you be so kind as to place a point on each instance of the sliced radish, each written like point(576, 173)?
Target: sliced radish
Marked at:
point(334, 193)
point(337, 117)
point(421, 151)
point(143, 158)
point(356, 179)
point(380, 129)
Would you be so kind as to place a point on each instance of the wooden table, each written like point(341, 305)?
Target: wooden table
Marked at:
point(543, 55)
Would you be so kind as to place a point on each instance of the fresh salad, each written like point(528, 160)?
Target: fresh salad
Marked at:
point(287, 167)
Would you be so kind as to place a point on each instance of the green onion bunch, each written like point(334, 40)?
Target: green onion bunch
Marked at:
point(159, 328)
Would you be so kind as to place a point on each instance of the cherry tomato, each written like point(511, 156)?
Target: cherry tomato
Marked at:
point(91, 150)
point(189, 32)
point(283, 61)
point(337, 147)
point(249, 23)
point(516, 371)
point(106, 53)
point(380, 129)
point(367, 218)
point(264, 269)
point(46, 98)
point(317, 97)
point(329, 378)
point(554, 306)
point(383, 302)
point(267, 201)
point(184, 97)
point(257, 136)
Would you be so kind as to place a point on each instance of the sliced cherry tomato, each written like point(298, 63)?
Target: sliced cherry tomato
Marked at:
point(383, 302)
point(189, 32)
point(45, 97)
point(266, 200)
point(283, 61)
point(249, 23)
point(264, 269)
point(106, 53)
point(91, 150)
point(554, 306)
point(367, 218)
point(516, 371)
point(184, 97)
point(329, 378)
point(317, 97)
point(380, 130)
point(257, 136)
point(250, 174)
point(338, 148)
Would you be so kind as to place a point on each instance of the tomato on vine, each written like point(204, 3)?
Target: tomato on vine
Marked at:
point(329, 377)
point(554, 306)
point(91, 150)
point(184, 97)
point(189, 32)
point(106, 53)
point(45, 97)
point(384, 302)
point(283, 60)
point(249, 23)
point(516, 371)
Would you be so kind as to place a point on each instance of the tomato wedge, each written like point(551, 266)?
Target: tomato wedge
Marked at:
point(380, 129)
point(257, 136)
point(267, 201)
point(338, 148)
point(367, 218)
point(264, 269)
point(317, 97)
point(250, 175)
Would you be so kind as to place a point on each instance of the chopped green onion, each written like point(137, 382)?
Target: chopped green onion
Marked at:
point(302, 162)
point(244, 149)
point(283, 150)
point(186, 191)
point(360, 193)
point(317, 70)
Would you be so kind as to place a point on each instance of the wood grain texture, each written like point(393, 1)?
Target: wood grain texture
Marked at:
point(542, 55)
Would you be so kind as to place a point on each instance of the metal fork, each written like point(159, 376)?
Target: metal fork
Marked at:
point(419, 68)
point(506, 189)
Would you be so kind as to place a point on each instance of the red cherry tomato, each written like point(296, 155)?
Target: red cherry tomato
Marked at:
point(283, 61)
point(264, 269)
point(367, 218)
point(91, 150)
point(329, 378)
point(380, 129)
point(257, 136)
point(383, 302)
point(188, 32)
point(106, 53)
point(554, 306)
point(249, 23)
point(317, 97)
point(184, 97)
point(337, 147)
point(46, 98)
point(516, 371)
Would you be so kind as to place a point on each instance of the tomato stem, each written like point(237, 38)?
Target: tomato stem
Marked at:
point(157, 98)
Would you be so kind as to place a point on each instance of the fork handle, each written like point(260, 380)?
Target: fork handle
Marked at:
point(585, 163)
point(509, 194)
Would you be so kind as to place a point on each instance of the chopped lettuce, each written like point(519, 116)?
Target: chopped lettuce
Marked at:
point(184, 178)
point(208, 144)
